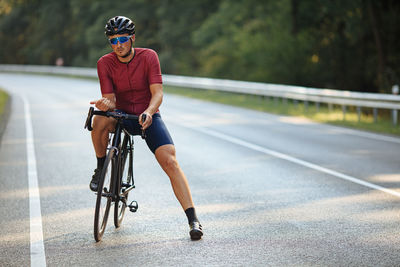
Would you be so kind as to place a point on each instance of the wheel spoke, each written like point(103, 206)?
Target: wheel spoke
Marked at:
point(125, 161)
point(104, 197)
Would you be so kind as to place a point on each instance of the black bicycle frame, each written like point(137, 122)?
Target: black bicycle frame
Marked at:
point(115, 145)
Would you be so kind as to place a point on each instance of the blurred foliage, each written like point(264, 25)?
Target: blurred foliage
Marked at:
point(351, 45)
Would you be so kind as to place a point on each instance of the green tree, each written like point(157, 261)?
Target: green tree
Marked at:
point(178, 21)
point(95, 15)
point(350, 45)
point(252, 40)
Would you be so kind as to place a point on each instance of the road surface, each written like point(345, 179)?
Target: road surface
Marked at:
point(269, 190)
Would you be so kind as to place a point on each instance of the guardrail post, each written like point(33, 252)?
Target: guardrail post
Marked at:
point(306, 106)
point(330, 107)
point(394, 117)
point(295, 102)
point(375, 110)
point(317, 106)
point(344, 112)
point(395, 91)
point(359, 113)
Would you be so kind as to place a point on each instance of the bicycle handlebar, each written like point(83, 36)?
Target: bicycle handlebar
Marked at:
point(113, 114)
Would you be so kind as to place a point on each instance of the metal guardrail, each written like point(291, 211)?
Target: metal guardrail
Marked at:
point(306, 94)
point(73, 71)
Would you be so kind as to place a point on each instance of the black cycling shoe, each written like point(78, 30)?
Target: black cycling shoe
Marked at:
point(95, 180)
point(196, 231)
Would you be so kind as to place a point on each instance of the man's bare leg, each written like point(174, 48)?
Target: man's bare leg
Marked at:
point(166, 157)
point(102, 126)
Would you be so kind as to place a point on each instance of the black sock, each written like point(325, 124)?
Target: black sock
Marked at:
point(100, 162)
point(191, 215)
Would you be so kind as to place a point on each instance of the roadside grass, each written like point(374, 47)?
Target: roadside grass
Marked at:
point(3, 101)
point(321, 113)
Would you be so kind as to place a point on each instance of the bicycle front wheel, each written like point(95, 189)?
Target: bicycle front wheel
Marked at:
point(124, 180)
point(104, 196)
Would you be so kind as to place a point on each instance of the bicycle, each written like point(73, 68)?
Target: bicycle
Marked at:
point(116, 180)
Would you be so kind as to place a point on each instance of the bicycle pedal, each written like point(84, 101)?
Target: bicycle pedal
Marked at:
point(133, 207)
point(124, 185)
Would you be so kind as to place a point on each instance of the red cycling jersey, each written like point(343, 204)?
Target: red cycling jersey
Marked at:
point(130, 82)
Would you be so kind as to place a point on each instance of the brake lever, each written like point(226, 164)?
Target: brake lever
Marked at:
point(88, 123)
point(143, 120)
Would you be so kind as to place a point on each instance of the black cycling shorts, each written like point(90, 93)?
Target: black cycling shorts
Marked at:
point(156, 135)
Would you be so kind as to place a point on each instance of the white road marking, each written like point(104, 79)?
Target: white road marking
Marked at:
point(378, 137)
point(290, 158)
point(38, 257)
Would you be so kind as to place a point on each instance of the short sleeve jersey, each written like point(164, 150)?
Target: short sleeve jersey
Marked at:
point(130, 82)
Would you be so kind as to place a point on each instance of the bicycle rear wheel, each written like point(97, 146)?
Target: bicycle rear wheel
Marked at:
point(104, 196)
point(124, 180)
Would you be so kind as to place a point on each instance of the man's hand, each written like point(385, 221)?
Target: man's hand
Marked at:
point(103, 104)
point(146, 124)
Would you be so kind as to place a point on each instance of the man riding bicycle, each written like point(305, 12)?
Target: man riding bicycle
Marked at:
point(131, 82)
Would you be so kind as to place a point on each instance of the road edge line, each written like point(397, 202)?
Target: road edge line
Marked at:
point(37, 251)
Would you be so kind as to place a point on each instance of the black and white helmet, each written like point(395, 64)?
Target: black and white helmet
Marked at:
point(119, 25)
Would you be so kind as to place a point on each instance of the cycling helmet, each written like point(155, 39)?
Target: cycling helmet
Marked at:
point(119, 25)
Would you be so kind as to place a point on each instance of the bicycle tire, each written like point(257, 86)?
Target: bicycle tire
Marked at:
point(125, 173)
point(103, 202)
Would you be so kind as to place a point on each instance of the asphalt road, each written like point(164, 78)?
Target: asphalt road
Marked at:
point(269, 190)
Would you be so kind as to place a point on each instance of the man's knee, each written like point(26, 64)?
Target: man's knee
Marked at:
point(101, 123)
point(166, 157)
point(171, 162)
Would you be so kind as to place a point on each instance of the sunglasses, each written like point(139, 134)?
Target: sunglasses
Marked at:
point(121, 40)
